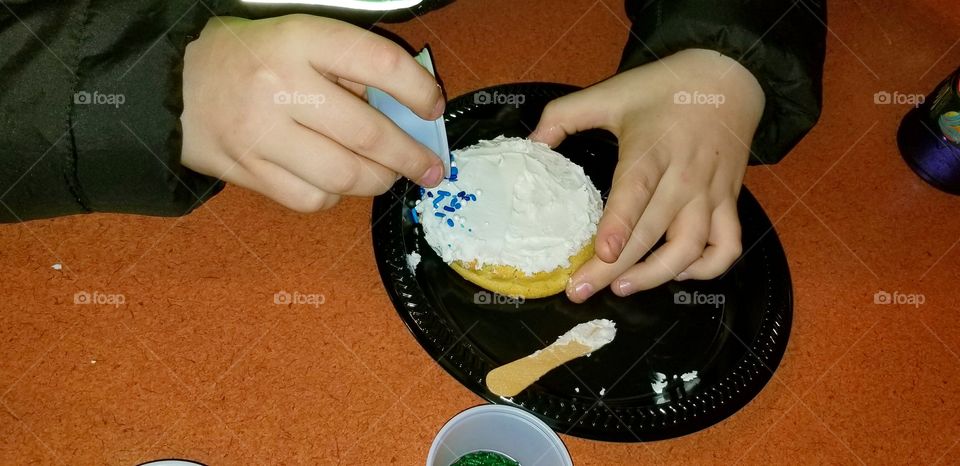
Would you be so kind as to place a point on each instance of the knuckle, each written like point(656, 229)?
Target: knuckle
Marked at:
point(332, 200)
point(416, 163)
point(311, 201)
point(690, 249)
point(273, 74)
point(240, 139)
point(733, 251)
point(346, 180)
point(380, 189)
point(245, 127)
point(639, 182)
point(641, 185)
point(368, 138)
point(250, 164)
point(290, 27)
point(384, 182)
point(614, 222)
point(644, 238)
point(711, 271)
point(387, 57)
point(553, 108)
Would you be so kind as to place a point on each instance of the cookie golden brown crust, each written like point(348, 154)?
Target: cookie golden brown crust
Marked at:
point(510, 281)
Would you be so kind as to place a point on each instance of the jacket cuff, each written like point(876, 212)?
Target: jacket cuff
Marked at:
point(782, 43)
point(127, 105)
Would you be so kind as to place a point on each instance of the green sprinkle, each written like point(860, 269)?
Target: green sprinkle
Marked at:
point(485, 458)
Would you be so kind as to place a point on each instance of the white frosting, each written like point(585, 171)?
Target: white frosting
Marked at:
point(658, 386)
point(533, 208)
point(413, 260)
point(594, 334)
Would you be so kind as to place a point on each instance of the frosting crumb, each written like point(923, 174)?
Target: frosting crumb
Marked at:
point(413, 260)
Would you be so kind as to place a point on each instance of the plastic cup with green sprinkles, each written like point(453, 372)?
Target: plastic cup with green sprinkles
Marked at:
point(496, 435)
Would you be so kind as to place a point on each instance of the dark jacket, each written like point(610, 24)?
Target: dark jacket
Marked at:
point(90, 90)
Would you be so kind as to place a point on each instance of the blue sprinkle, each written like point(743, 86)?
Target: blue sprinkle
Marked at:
point(429, 193)
point(442, 194)
point(413, 213)
point(422, 191)
point(473, 197)
point(439, 214)
point(449, 209)
point(453, 178)
point(461, 194)
point(449, 222)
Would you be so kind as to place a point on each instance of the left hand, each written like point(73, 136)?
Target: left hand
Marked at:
point(685, 124)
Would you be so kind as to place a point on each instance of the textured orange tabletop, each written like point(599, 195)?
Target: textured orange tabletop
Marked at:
point(199, 362)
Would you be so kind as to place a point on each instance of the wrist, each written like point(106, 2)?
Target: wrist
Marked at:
point(710, 71)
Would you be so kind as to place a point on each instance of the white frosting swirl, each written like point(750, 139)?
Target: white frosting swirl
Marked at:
point(533, 208)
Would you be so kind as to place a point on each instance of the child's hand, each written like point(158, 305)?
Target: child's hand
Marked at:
point(684, 124)
point(276, 106)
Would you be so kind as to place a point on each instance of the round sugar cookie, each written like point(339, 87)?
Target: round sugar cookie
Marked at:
point(515, 217)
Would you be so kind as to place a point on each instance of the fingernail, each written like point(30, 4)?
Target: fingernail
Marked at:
point(682, 276)
point(615, 244)
point(625, 287)
point(432, 176)
point(438, 109)
point(583, 290)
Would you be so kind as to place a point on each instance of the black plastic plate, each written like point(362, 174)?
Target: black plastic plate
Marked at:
point(679, 327)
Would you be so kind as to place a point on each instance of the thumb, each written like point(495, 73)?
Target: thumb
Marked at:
point(570, 114)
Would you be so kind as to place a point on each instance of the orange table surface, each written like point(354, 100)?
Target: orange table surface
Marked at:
point(199, 362)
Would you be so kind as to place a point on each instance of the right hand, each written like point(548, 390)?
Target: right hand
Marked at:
point(276, 106)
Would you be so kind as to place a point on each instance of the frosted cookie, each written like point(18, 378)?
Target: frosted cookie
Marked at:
point(514, 217)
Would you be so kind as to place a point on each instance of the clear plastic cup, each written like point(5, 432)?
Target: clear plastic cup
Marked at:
point(430, 133)
point(502, 429)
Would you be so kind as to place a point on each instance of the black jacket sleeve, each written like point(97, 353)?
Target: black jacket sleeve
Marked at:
point(782, 42)
point(90, 103)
